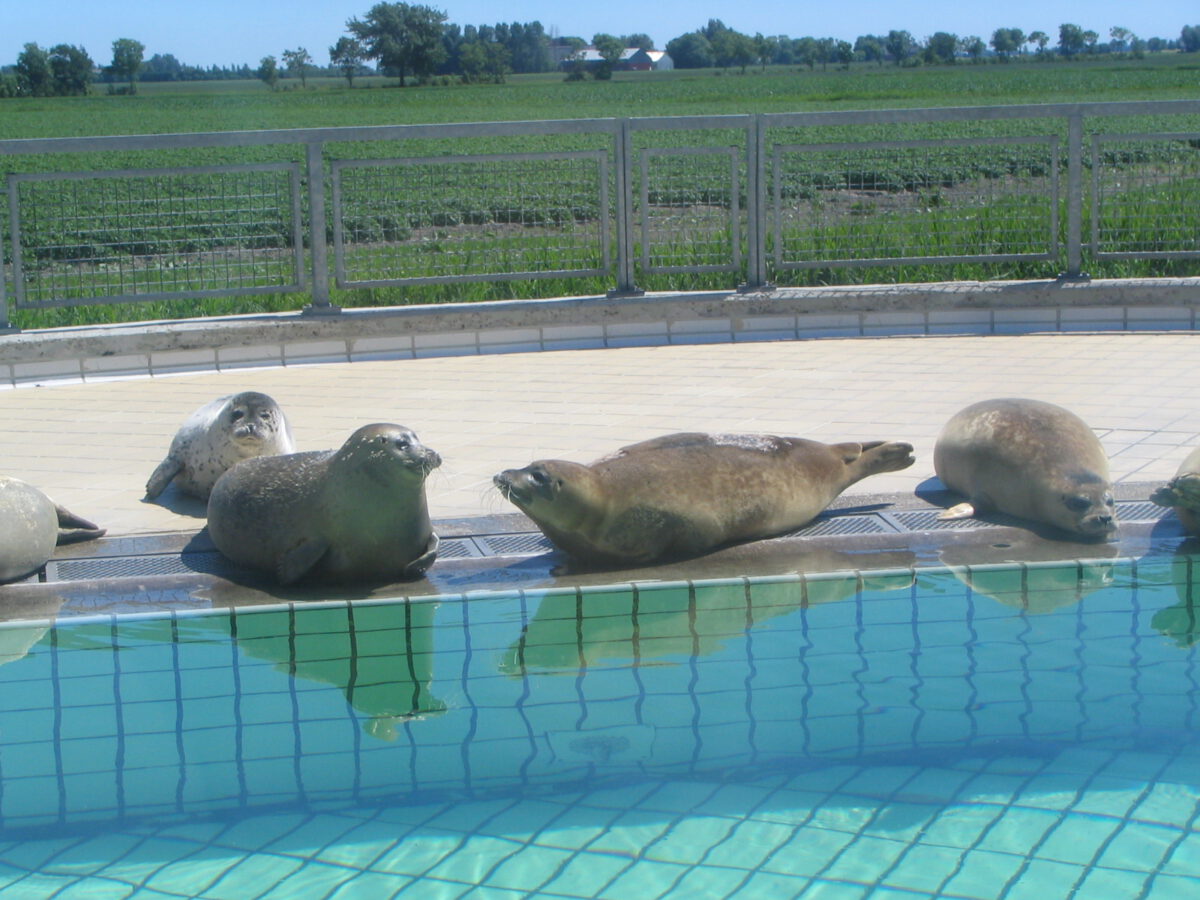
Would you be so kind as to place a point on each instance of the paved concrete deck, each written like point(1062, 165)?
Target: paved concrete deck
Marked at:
point(91, 446)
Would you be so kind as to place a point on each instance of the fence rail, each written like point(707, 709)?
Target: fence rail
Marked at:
point(763, 198)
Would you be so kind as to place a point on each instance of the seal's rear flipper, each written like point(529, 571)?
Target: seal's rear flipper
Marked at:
point(73, 528)
point(161, 477)
point(295, 562)
point(421, 564)
point(961, 511)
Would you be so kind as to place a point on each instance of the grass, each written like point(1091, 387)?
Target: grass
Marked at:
point(234, 106)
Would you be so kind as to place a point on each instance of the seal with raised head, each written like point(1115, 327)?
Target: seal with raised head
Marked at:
point(31, 526)
point(683, 495)
point(1182, 493)
point(1029, 459)
point(354, 514)
point(217, 435)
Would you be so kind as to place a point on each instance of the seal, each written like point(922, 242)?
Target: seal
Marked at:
point(1029, 459)
point(683, 495)
point(354, 514)
point(1182, 493)
point(31, 526)
point(217, 435)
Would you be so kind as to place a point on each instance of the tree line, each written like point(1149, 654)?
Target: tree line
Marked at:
point(717, 45)
point(416, 43)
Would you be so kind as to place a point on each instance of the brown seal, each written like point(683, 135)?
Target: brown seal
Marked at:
point(1182, 493)
point(682, 495)
point(1029, 459)
point(217, 435)
point(353, 514)
point(31, 525)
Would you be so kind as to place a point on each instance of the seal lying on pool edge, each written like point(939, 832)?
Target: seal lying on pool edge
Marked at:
point(31, 525)
point(349, 515)
point(683, 495)
point(1030, 459)
point(1182, 493)
point(217, 435)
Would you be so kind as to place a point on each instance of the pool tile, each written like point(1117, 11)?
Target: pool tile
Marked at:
point(1018, 831)
point(586, 875)
point(249, 875)
point(521, 872)
point(982, 873)
point(922, 867)
point(1185, 858)
point(1042, 879)
point(1078, 839)
point(644, 879)
point(373, 885)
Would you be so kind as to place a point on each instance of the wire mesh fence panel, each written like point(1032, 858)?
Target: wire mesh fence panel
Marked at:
point(502, 216)
point(914, 201)
point(690, 210)
point(126, 235)
point(1144, 195)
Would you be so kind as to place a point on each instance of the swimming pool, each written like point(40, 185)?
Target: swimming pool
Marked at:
point(988, 731)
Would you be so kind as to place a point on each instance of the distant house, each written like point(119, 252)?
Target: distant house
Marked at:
point(633, 59)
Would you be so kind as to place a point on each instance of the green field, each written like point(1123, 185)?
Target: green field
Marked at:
point(235, 106)
point(162, 108)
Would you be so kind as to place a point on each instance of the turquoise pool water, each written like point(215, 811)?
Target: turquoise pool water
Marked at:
point(990, 732)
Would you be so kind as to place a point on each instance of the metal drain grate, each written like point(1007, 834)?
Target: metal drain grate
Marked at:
point(135, 566)
point(457, 548)
point(1139, 511)
point(859, 524)
point(514, 544)
point(927, 520)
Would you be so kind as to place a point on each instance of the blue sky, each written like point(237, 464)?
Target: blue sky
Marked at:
point(226, 32)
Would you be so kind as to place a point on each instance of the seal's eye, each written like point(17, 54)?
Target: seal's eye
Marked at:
point(1108, 500)
point(237, 415)
point(402, 443)
point(538, 477)
point(1077, 503)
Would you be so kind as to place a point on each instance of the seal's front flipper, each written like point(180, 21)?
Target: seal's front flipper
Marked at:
point(421, 564)
point(296, 562)
point(161, 477)
point(961, 511)
point(73, 528)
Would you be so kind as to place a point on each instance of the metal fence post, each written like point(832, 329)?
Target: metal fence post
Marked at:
point(756, 206)
point(320, 305)
point(1074, 200)
point(623, 159)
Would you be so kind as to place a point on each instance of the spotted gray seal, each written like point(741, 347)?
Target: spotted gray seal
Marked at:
point(217, 435)
point(353, 514)
point(31, 525)
point(683, 495)
point(1030, 459)
point(1182, 492)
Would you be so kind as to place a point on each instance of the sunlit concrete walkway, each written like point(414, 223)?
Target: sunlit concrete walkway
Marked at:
point(91, 446)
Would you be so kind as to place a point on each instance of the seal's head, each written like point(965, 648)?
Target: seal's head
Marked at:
point(389, 450)
point(550, 491)
point(1087, 508)
point(253, 418)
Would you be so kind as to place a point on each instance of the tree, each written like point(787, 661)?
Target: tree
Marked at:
point(732, 48)
point(1040, 38)
point(765, 49)
point(268, 71)
point(941, 47)
point(34, 78)
point(974, 47)
point(870, 47)
point(1007, 41)
point(691, 51)
point(806, 51)
point(297, 62)
point(639, 40)
point(71, 69)
point(1070, 39)
point(405, 39)
point(610, 49)
point(484, 61)
point(900, 45)
point(1121, 39)
point(1189, 39)
point(843, 52)
point(346, 55)
point(127, 60)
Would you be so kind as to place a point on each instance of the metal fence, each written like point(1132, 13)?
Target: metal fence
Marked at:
point(749, 200)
